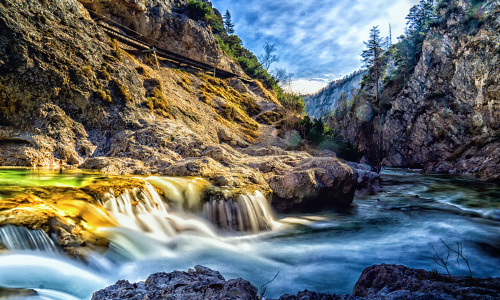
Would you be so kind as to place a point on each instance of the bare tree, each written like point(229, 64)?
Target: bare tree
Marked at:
point(282, 77)
point(268, 57)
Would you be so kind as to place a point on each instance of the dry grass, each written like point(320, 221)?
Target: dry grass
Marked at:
point(122, 91)
point(238, 107)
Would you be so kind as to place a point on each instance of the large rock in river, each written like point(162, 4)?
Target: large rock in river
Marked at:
point(315, 183)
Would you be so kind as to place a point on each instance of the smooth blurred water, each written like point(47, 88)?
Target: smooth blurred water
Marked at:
point(323, 252)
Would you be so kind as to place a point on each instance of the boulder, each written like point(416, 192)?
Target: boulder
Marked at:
point(400, 282)
point(200, 283)
point(315, 183)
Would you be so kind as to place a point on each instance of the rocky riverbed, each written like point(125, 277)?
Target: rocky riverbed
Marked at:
point(389, 282)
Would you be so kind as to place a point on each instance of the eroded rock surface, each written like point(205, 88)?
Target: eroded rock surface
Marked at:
point(72, 97)
point(383, 282)
point(200, 283)
point(400, 282)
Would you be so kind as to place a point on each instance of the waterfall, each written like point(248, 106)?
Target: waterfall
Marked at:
point(249, 212)
point(182, 193)
point(21, 238)
point(144, 210)
point(177, 209)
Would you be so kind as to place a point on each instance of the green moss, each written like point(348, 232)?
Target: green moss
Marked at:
point(122, 91)
point(199, 10)
point(103, 72)
point(87, 70)
point(104, 96)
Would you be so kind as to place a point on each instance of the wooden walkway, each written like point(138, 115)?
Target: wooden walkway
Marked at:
point(141, 45)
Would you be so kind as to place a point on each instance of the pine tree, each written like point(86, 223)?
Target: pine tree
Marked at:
point(372, 54)
point(227, 23)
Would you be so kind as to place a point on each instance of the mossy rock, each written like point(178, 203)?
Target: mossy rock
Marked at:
point(119, 185)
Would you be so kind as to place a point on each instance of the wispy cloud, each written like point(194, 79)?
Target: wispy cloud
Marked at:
point(319, 40)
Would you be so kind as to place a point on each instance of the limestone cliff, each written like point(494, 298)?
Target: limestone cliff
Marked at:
point(338, 91)
point(447, 116)
point(166, 25)
point(71, 96)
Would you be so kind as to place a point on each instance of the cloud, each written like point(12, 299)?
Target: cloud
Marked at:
point(315, 39)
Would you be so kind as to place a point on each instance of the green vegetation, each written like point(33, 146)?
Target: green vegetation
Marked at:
point(199, 10)
point(372, 56)
point(232, 45)
point(155, 99)
point(318, 134)
point(228, 24)
point(122, 91)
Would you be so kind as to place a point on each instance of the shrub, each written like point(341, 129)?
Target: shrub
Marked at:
point(198, 10)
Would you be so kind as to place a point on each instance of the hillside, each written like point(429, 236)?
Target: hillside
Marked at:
point(73, 97)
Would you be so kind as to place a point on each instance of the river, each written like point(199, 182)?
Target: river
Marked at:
point(323, 252)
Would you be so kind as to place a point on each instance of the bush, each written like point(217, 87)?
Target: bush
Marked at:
point(198, 10)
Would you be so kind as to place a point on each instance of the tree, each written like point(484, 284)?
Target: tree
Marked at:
point(268, 57)
point(227, 23)
point(418, 21)
point(282, 77)
point(372, 61)
point(372, 54)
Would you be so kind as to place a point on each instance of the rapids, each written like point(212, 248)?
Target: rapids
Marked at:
point(166, 226)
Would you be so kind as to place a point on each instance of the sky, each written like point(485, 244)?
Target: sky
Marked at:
point(317, 41)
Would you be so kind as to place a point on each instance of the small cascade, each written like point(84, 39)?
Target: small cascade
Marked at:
point(249, 212)
point(183, 194)
point(144, 210)
point(21, 238)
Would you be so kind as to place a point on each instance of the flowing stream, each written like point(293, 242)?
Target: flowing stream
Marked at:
point(166, 226)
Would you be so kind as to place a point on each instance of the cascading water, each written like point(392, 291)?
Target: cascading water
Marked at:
point(144, 210)
point(21, 238)
point(249, 212)
point(165, 224)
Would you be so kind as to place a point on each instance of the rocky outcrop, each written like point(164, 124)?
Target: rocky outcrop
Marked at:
point(200, 283)
point(400, 282)
point(391, 282)
point(165, 25)
point(313, 184)
point(446, 118)
point(329, 98)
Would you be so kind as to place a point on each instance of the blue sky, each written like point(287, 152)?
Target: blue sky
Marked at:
point(318, 41)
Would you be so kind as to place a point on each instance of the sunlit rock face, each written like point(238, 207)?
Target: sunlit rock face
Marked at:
point(165, 24)
point(71, 97)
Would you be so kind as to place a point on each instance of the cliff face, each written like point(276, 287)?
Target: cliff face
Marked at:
point(70, 96)
point(165, 25)
point(447, 116)
point(327, 99)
